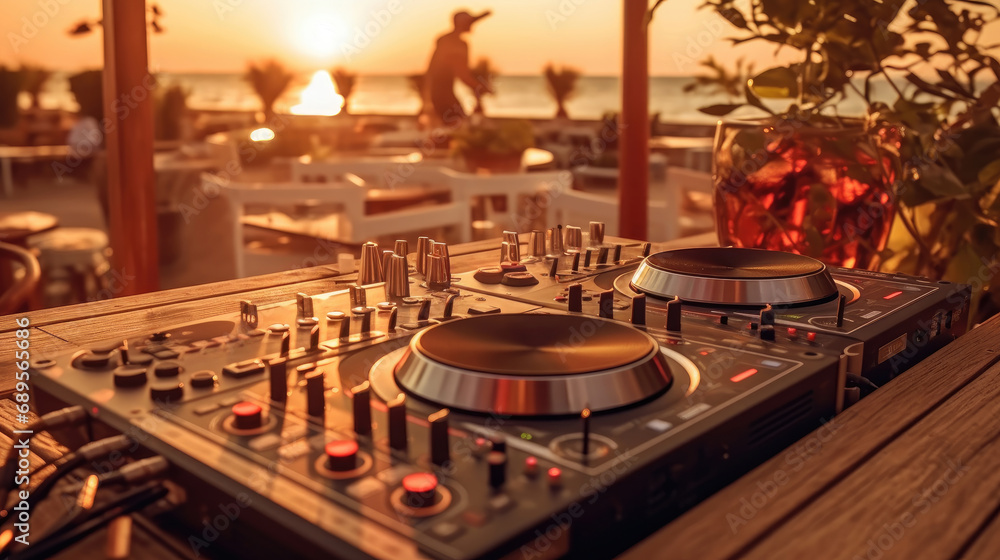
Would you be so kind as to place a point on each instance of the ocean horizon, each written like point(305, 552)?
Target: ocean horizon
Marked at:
point(516, 96)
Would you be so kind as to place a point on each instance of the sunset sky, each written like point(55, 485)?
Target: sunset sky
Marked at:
point(520, 37)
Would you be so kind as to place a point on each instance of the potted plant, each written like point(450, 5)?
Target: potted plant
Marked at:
point(492, 145)
point(561, 84)
point(269, 79)
point(929, 123)
point(483, 72)
point(345, 81)
point(11, 82)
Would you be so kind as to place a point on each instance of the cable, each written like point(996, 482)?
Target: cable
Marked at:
point(70, 463)
point(132, 501)
point(132, 473)
point(862, 383)
point(50, 421)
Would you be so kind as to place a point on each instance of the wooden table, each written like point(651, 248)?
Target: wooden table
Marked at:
point(17, 227)
point(912, 471)
point(28, 153)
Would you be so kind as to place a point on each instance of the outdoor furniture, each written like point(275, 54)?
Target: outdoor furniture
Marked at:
point(9, 154)
point(77, 257)
point(20, 274)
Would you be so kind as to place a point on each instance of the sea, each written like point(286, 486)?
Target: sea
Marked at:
point(516, 96)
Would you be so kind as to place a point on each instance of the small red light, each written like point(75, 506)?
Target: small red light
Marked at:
point(246, 409)
point(555, 475)
point(792, 331)
point(741, 376)
point(420, 483)
point(531, 462)
point(341, 448)
point(94, 411)
point(892, 295)
point(811, 336)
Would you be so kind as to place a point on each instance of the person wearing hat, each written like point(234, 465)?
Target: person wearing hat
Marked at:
point(450, 60)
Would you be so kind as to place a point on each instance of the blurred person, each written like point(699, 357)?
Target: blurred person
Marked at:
point(450, 60)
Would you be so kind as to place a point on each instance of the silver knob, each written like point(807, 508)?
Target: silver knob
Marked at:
point(370, 270)
point(536, 241)
point(420, 258)
point(514, 245)
point(596, 234)
point(396, 282)
point(574, 238)
point(504, 252)
point(384, 264)
point(402, 247)
point(441, 250)
point(437, 273)
point(555, 242)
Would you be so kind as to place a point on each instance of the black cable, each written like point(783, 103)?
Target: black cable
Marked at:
point(132, 501)
point(862, 383)
point(70, 463)
point(52, 420)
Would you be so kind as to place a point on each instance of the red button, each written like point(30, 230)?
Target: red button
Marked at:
point(420, 489)
point(793, 332)
point(247, 416)
point(531, 466)
point(555, 476)
point(811, 337)
point(342, 455)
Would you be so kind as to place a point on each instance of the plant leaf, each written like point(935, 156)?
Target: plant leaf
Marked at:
point(720, 110)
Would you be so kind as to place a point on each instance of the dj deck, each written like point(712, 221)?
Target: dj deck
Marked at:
point(539, 406)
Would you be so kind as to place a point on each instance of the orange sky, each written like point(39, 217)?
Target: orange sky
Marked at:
point(520, 37)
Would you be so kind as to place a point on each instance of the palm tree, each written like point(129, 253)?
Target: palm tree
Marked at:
point(34, 78)
point(416, 83)
point(345, 81)
point(483, 72)
point(562, 86)
point(269, 80)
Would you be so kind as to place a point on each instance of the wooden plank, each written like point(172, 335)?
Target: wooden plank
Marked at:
point(633, 165)
point(923, 496)
point(986, 546)
point(728, 523)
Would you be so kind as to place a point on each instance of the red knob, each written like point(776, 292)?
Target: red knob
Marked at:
point(342, 455)
point(421, 489)
point(247, 416)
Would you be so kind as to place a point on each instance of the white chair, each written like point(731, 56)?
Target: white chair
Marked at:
point(353, 225)
point(664, 213)
point(464, 187)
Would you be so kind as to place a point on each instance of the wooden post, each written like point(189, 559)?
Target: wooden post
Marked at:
point(633, 159)
point(128, 124)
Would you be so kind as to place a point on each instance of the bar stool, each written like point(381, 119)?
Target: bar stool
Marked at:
point(74, 264)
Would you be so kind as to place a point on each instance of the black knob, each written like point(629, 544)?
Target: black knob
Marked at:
point(841, 304)
point(723, 319)
point(130, 376)
point(602, 255)
point(554, 267)
point(576, 262)
point(439, 437)
point(341, 455)
point(286, 344)
point(638, 310)
point(362, 408)
point(167, 392)
point(576, 297)
point(674, 315)
point(397, 423)
point(204, 379)
point(278, 377)
point(766, 316)
point(585, 420)
point(315, 393)
point(767, 332)
point(247, 416)
point(498, 443)
point(166, 369)
point(586, 258)
point(497, 461)
point(606, 304)
point(617, 255)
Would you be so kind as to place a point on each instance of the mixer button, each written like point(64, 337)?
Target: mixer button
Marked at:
point(130, 376)
point(106, 348)
point(139, 359)
point(531, 466)
point(167, 392)
point(500, 503)
point(658, 425)
point(518, 279)
point(446, 531)
point(244, 369)
point(247, 416)
point(204, 379)
point(489, 275)
point(165, 354)
point(206, 409)
point(278, 328)
point(93, 360)
point(264, 442)
point(420, 490)
point(555, 477)
point(497, 461)
point(167, 369)
point(307, 322)
point(341, 455)
point(483, 309)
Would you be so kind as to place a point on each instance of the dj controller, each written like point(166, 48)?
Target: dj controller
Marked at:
point(567, 401)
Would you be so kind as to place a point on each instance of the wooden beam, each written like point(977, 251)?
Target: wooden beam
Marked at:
point(128, 113)
point(633, 158)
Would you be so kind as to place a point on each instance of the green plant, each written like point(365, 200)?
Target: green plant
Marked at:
point(561, 84)
point(488, 137)
point(171, 108)
point(943, 92)
point(483, 72)
point(87, 87)
point(269, 79)
point(11, 82)
point(344, 81)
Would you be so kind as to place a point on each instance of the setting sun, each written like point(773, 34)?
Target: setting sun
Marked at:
point(320, 37)
point(320, 97)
